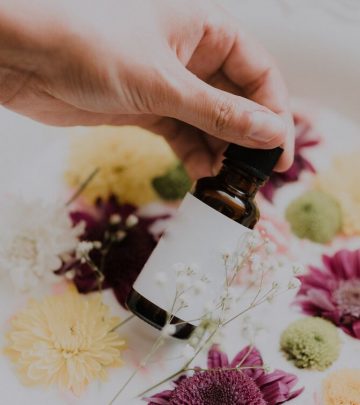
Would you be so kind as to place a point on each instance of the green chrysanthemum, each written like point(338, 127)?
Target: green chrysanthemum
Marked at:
point(173, 185)
point(315, 215)
point(311, 343)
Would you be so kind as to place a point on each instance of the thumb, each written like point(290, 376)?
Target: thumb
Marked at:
point(224, 115)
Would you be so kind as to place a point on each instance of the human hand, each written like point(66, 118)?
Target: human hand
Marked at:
point(182, 69)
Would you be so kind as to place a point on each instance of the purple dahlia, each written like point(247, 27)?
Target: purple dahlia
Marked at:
point(222, 383)
point(333, 291)
point(305, 137)
point(124, 249)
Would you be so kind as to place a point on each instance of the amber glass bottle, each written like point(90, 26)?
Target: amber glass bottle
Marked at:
point(231, 192)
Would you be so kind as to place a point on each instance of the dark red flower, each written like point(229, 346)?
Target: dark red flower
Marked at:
point(124, 249)
point(305, 137)
point(333, 291)
point(242, 381)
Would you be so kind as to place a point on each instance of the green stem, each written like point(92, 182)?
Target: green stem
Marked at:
point(82, 186)
point(126, 320)
point(153, 350)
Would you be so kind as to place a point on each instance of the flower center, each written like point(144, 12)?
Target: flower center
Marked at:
point(347, 297)
point(24, 248)
point(214, 387)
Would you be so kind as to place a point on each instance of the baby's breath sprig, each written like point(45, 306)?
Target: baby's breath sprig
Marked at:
point(256, 260)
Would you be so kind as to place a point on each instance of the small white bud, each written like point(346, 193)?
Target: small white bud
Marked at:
point(97, 244)
point(115, 219)
point(120, 235)
point(168, 330)
point(131, 221)
point(184, 300)
point(298, 269)
point(69, 275)
point(194, 268)
point(83, 249)
point(268, 368)
point(294, 283)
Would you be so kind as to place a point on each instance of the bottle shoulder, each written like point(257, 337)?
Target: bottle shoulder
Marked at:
point(230, 202)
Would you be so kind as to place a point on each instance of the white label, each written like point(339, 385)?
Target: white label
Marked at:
point(186, 271)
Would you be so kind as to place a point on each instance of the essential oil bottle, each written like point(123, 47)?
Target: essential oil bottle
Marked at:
point(216, 215)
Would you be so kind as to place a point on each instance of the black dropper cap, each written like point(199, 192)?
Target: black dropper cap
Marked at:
point(258, 162)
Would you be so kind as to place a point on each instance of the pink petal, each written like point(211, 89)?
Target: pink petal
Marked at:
point(347, 264)
point(249, 356)
point(321, 299)
point(296, 393)
point(217, 358)
point(162, 398)
point(356, 329)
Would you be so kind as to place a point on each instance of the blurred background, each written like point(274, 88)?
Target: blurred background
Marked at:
point(315, 42)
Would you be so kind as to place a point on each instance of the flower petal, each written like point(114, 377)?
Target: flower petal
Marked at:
point(217, 358)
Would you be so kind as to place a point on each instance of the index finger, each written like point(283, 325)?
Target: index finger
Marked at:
point(250, 67)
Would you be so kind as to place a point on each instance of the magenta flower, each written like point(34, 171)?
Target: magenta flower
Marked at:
point(242, 381)
point(305, 137)
point(125, 247)
point(333, 292)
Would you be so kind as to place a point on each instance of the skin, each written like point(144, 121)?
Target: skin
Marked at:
point(182, 68)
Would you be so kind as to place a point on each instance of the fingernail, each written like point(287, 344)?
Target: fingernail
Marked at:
point(266, 126)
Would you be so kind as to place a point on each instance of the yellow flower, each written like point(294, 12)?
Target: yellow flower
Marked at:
point(128, 157)
point(342, 387)
point(66, 339)
point(341, 181)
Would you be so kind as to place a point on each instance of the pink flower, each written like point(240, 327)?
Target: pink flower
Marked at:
point(241, 381)
point(333, 291)
point(305, 137)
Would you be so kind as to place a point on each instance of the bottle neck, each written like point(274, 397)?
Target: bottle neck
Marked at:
point(239, 180)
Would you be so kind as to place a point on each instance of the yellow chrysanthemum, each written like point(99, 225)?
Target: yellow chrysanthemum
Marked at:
point(342, 387)
point(128, 157)
point(341, 181)
point(66, 339)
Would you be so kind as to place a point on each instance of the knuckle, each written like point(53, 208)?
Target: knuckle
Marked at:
point(223, 116)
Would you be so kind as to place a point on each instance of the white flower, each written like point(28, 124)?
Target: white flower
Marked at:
point(131, 221)
point(33, 238)
point(120, 235)
point(294, 283)
point(115, 219)
point(83, 249)
point(184, 299)
point(183, 282)
point(168, 330)
point(298, 269)
point(193, 268)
